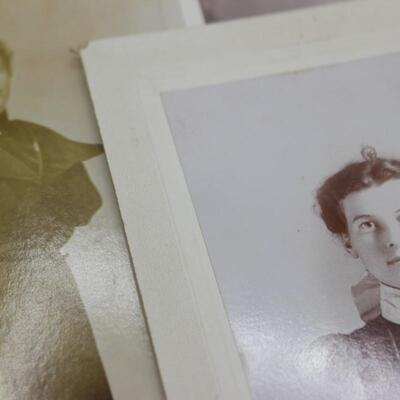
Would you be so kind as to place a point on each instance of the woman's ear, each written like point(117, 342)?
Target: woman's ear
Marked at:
point(348, 246)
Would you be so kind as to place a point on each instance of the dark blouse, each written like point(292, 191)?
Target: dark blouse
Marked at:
point(364, 364)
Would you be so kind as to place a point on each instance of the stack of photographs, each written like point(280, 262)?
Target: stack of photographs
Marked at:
point(257, 172)
point(200, 199)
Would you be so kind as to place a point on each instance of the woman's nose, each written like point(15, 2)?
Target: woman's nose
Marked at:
point(393, 238)
point(392, 235)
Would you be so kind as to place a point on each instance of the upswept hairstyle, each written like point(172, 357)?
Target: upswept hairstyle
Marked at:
point(373, 171)
point(5, 55)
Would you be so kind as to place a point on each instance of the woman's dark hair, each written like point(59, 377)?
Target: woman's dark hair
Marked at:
point(373, 171)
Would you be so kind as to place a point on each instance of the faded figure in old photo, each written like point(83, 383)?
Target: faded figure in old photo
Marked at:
point(360, 205)
point(47, 349)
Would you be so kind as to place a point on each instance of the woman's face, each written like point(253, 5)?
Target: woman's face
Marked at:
point(373, 221)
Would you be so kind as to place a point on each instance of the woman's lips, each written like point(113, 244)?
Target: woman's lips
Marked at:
point(393, 261)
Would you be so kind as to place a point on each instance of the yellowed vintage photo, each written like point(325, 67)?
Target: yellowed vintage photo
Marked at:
point(45, 194)
point(66, 280)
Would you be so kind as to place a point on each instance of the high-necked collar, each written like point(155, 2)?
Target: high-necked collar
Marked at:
point(390, 303)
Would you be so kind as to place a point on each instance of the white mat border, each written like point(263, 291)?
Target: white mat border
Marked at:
point(191, 335)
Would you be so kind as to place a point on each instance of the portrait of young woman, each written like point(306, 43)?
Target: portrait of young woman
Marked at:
point(303, 231)
point(359, 205)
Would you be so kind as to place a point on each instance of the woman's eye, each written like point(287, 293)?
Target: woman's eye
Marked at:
point(367, 226)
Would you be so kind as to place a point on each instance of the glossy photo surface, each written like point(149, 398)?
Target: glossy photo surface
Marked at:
point(65, 277)
point(295, 179)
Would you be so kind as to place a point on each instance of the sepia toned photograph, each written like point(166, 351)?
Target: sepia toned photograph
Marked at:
point(223, 10)
point(46, 194)
point(66, 277)
point(295, 182)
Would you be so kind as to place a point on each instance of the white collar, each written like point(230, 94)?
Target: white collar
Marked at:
point(390, 303)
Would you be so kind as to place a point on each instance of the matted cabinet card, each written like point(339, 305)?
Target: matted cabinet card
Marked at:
point(258, 176)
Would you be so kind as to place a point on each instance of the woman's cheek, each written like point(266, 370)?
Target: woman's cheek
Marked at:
point(366, 244)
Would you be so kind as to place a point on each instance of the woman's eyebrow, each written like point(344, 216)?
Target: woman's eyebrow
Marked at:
point(357, 217)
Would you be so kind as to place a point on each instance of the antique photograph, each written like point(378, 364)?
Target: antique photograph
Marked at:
point(295, 182)
point(223, 10)
point(46, 194)
point(256, 175)
point(66, 277)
